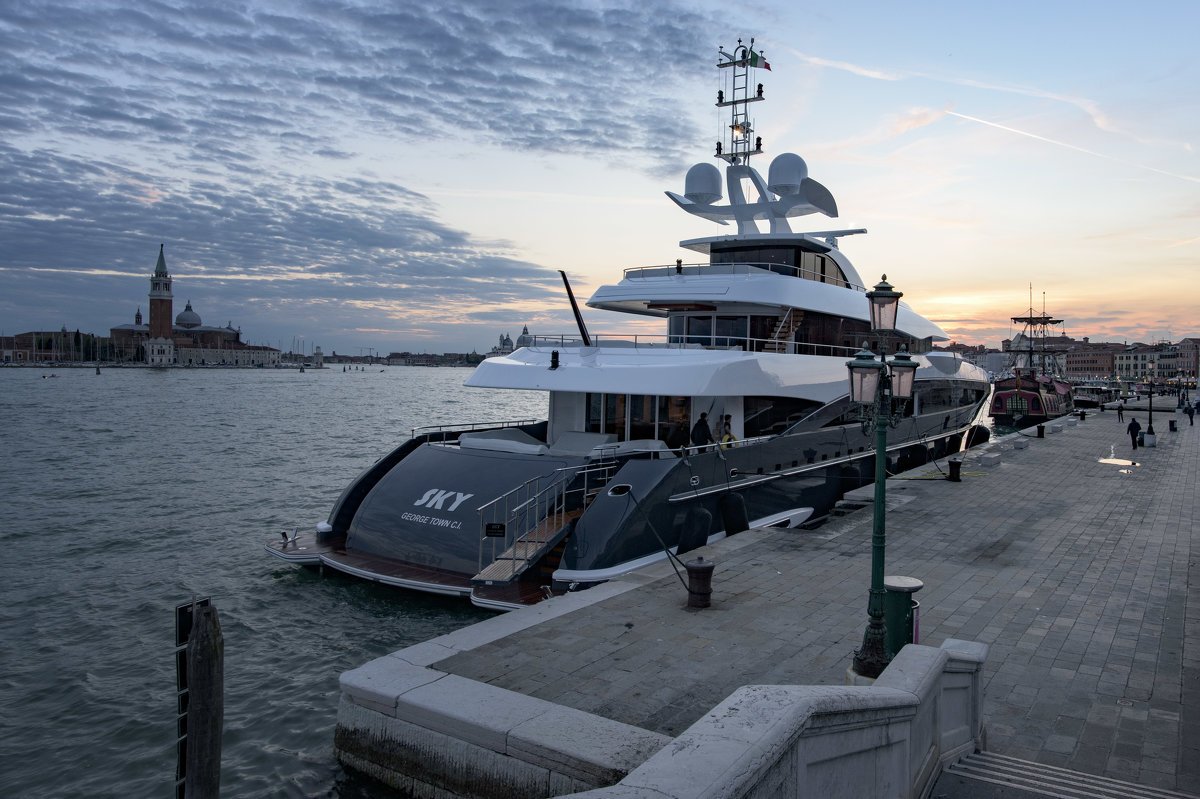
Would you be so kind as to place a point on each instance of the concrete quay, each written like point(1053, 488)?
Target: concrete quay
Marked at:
point(1075, 568)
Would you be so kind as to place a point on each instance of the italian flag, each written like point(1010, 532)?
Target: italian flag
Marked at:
point(757, 60)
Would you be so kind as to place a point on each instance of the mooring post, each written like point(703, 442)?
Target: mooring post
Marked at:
point(699, 573)
point(206, 705)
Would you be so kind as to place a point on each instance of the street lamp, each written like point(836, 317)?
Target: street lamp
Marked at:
point(1150, 423)
point(880, 388)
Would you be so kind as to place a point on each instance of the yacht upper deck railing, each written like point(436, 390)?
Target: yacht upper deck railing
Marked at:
point(678, 341)
point(739, 268)
point(433, 431)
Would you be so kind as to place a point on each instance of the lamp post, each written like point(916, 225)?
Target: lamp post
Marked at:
point(1150, 423)
point(880, 388)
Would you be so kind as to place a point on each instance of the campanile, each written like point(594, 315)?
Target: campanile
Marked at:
point(160, 299)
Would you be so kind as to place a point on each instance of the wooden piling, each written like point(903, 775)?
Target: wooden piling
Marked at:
point(206, 705)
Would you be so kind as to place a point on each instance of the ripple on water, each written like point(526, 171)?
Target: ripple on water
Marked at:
point(131, 491)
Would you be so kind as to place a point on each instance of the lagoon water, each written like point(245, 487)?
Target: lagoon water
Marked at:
point(129, 492)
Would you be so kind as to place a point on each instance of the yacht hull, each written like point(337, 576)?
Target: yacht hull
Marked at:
point(417, 523)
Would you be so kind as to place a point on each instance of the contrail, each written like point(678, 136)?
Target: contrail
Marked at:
point(1073, 147)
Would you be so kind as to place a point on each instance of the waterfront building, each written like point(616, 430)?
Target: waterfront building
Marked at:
point(1092, 360)
point(184, 340)
point(1133, 363)
point(1189, 358)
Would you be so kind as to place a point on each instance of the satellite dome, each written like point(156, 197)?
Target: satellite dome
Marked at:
point(702, 184)
point(787, 172)
point(187, 317)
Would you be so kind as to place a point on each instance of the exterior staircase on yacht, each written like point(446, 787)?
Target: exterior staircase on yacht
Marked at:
point(781, 338)
point(528, 549)
point(1021, 778)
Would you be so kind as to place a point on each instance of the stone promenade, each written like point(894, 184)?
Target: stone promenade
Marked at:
point(1077, 568)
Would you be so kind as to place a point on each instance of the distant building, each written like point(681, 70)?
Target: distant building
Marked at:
point(1189, 358)
point(186, 340)
point(1088, 360)
point(1133, 363)
point(506, 346)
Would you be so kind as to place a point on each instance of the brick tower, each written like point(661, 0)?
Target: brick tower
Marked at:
point(160, 348)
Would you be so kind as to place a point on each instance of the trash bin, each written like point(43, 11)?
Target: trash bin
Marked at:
point(900, 612)
point(1171, 426)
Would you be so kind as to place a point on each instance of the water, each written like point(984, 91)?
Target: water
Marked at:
point(131, 491)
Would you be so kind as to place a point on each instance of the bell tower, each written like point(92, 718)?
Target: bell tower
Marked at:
point(160, 348)
point(160, 299)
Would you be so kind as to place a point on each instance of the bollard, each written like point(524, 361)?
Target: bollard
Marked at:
point(1082, 415)
point(700, 573)
point(1041, 428)
point(955, 475)
point(1171, 426)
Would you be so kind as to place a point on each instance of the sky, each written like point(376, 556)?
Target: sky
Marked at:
point(400, 176)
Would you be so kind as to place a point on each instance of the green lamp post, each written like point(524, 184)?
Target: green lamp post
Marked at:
point(880, 388)
point(1153, 378)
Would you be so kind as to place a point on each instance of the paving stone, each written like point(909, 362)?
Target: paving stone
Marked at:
point(1082, 576)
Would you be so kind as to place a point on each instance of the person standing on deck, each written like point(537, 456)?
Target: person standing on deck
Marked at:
point(1134, 428)
point(701, 435)
point(728, 437)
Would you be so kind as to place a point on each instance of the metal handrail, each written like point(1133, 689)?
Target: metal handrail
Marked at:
point(740, 268)
point(677, 341)
point(467, 427)
point(542, 501)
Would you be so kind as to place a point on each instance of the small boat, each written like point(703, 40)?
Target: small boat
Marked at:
point(737, 415)
point(1095, 394)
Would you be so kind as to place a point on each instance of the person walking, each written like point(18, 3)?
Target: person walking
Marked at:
point(1134, 428)
point(1120, 411)
point(1191, 412)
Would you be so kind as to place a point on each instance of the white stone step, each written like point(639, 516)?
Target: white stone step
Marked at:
point(1053, 781)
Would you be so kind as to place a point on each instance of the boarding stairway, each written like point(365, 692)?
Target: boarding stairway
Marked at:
point(531, 520)
point(1022, 779)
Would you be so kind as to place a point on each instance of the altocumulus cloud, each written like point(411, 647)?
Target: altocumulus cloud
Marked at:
point(126, 124)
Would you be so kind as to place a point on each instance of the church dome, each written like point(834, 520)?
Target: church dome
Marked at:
point(187, 317)
point(524, 340)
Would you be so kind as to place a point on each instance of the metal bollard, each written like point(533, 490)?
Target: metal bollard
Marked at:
point(700, 573)
point(955, 475)
point(1041, 428)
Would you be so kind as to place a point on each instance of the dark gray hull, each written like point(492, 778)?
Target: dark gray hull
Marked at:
point(413, 519)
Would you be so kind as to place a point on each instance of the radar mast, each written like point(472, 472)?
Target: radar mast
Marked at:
point(738, 141)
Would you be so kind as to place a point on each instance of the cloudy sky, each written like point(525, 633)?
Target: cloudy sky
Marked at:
point(410, 176)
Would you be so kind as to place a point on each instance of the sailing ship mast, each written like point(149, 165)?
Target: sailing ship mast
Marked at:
point(1037, 332)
